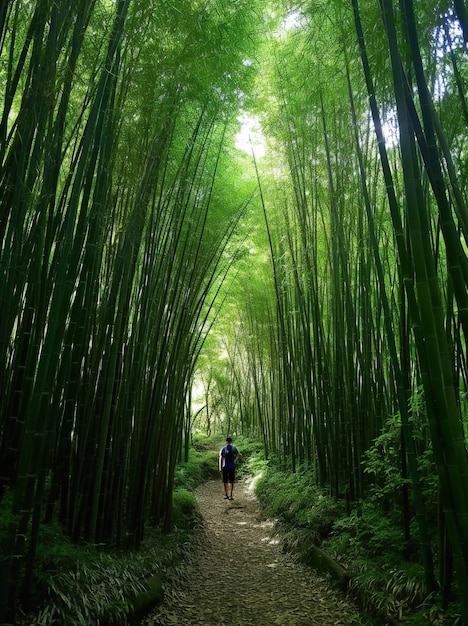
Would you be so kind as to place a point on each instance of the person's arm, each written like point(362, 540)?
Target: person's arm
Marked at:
point(220, 460)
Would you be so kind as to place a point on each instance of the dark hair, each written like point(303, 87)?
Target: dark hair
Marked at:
point(228, 439)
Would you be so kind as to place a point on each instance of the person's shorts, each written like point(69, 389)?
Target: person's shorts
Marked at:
point(229, 475)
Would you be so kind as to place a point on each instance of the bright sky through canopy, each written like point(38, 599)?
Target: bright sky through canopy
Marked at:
point(250, 137)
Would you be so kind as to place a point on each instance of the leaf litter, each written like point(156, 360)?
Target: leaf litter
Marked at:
point(237, 573)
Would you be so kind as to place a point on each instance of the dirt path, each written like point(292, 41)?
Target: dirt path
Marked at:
point(238, 575)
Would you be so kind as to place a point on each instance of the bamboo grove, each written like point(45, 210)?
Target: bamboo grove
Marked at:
point(113, 241)
point(360, 331)
point(125, 208)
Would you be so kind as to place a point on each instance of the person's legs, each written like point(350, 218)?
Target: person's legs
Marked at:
point(231, 483)
point(225, 483)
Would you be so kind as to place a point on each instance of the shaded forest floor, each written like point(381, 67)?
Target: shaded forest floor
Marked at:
point(238, 574)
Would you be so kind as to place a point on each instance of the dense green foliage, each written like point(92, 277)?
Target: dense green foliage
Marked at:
point(386, 576)
point(114, 235)
point(154, 283)
point(361, 314)
point(80, 584)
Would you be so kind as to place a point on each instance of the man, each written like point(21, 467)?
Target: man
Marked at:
point(227, 467)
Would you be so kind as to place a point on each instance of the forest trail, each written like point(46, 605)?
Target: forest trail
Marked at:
point(237, 574)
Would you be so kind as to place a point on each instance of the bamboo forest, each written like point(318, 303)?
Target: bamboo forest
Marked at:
point(243, 218)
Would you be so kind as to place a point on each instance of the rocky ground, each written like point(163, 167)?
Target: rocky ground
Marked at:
point(238, 575)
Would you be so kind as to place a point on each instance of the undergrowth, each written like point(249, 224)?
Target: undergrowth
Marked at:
point(368, 542)
point(79, 585)
point(83, 584)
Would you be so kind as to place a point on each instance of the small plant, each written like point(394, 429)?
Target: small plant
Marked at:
point(367, 533)
point(295, 500)
point(81, 584)
point(252, 460)
point(185, 508)
point(383, 464)
point(388, 594)
point(84, 585)
point(201, 465)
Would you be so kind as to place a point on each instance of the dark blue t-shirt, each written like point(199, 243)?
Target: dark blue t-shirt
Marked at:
point(228, 454)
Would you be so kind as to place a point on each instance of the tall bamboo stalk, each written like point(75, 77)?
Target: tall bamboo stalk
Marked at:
point(447, 434)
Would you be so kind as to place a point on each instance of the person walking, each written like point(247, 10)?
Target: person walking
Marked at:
point(227, 467)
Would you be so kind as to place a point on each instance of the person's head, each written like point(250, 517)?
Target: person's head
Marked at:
point(228, 440)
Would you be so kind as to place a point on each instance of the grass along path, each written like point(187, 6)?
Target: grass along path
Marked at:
point(237, 574)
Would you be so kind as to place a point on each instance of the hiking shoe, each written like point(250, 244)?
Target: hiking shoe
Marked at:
point(230, 498)
point(226, 497)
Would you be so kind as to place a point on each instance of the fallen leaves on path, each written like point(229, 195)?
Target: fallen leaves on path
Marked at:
point(238, 575)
